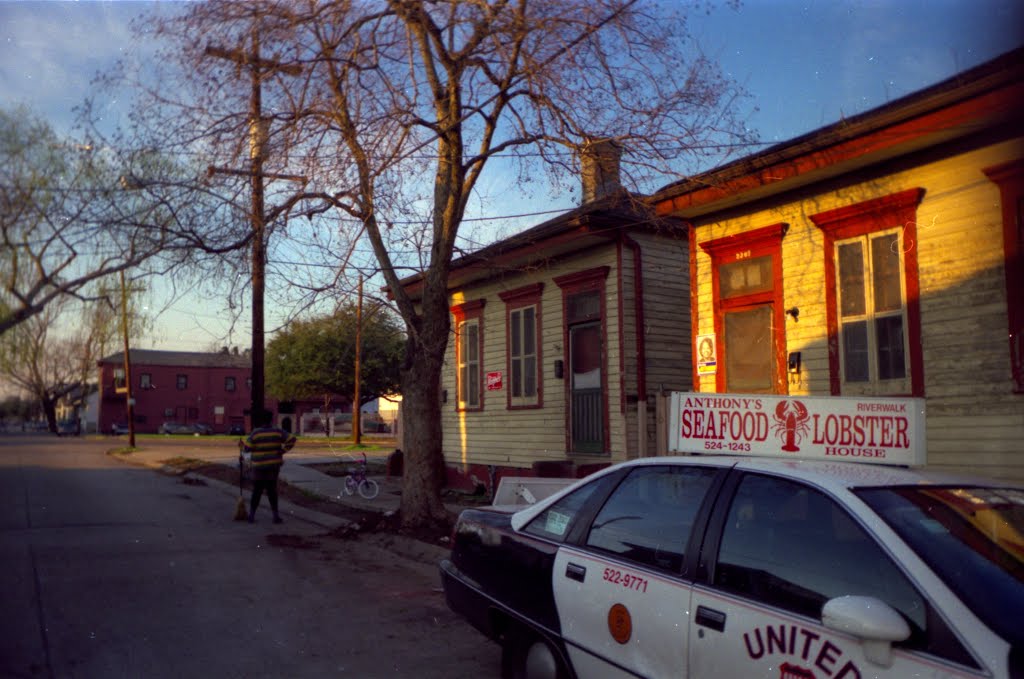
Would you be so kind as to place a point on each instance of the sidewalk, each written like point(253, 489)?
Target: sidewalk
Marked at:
point(296, 472)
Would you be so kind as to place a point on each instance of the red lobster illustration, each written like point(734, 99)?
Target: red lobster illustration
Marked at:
point(791, 419)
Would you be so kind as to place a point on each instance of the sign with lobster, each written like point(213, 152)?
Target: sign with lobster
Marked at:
point(876, 430)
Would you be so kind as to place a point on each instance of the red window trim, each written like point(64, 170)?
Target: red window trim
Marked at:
point(861, 219)
point(588, 280)
point(759, 242)
point(1009, 177)
point(583, 281)
point(528, 295)
point(471, 310)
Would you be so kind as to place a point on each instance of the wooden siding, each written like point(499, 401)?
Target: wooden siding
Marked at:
point(516, 438)
point(974, 420)
point(507, 437)
point(666, 286)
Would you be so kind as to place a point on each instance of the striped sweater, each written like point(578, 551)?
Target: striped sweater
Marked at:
point(268, 446)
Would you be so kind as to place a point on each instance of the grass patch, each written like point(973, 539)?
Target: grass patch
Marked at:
point(185, 464)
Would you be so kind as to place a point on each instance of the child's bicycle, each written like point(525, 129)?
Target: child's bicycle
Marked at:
point(357, 481)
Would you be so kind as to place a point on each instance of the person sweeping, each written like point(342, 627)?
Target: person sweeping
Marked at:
point(266, 445)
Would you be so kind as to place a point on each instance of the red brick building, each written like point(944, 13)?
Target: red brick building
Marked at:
point(188, 388)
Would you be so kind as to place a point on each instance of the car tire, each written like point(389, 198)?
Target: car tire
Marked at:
point(528, 656)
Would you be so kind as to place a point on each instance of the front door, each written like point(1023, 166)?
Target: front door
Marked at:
point(585, 393)
point(749, 350)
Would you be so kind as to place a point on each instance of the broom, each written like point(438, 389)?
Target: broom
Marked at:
point(240, 512)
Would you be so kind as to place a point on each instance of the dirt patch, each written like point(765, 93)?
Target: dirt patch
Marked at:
point(292, 541)
point(361, 521)
point(285, 491)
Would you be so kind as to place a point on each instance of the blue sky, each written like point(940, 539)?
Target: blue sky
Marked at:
point(806, 64)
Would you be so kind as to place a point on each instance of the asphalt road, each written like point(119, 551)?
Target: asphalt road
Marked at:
point(108, 570)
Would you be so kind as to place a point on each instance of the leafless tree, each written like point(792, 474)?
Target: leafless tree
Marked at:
point(394, 110)
point(54, 352)
point(74, 213)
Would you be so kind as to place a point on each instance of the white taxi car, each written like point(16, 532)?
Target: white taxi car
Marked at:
point(750, 567)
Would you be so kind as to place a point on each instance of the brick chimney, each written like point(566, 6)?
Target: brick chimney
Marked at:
point(599, 162)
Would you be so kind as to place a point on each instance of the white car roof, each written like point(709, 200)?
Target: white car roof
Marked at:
point(833, 476)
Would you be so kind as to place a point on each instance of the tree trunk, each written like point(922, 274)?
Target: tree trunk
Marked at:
point(50, 410)
point(424, 472)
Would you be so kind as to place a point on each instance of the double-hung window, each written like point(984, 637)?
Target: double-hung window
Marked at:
point(523, 342)
point(871, 292)
point(468, 354)
point(523, 355)
point(872, 313)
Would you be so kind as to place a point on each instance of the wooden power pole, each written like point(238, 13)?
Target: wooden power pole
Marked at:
point(357, 428)
point(258, 130)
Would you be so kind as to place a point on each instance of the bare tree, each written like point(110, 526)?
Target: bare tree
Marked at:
point(395, 109)
point(54, 352)
point(73, 213)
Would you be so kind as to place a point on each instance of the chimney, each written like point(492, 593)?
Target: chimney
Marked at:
point(599, 162)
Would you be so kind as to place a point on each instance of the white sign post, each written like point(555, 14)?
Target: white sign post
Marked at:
point(876, 430)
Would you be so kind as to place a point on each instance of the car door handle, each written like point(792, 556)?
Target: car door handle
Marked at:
point(709, 617)
point(575, 572)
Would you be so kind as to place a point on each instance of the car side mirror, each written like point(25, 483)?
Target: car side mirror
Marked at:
point(874, 622)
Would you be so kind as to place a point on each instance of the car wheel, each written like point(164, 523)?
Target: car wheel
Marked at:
point(527, 656)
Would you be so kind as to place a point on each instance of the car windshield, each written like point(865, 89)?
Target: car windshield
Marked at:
point(972, 537)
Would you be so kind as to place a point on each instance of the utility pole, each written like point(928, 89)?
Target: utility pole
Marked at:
point(258, 130)
point(357, 428)
point(129, 399)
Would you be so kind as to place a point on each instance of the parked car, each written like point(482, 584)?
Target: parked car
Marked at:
point(236, 430)
point(708, 566)
point(68, 428)
point(202, 428)
point(119, 428)
point(175, 428)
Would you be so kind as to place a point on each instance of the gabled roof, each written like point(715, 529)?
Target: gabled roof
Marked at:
point(988, 97)
point(590, 224)
point(180, 359)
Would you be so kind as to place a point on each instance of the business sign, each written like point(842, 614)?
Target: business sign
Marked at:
point(876, 430)
point(494, 381)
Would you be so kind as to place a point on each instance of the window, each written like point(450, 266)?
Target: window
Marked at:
point(468, 352)
point(649, 516)
point(523, 355)
point(555, 522)
point(182, 382)
point(1010, 179)
point(119, 379)
point(145, 381)
point(790, 546)
point(872, 314)
point(871, 294)
point(229, 384)
point(469, 364)
point(168, 412)
point(523, 332)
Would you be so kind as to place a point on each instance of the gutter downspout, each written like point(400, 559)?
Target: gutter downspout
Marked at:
point(641, 343)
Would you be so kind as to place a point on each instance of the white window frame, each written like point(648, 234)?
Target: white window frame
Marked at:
point(874, 385)
point(465, 365)
point(523, 399)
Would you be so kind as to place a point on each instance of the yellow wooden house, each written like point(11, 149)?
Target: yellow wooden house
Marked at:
point(878, 256)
